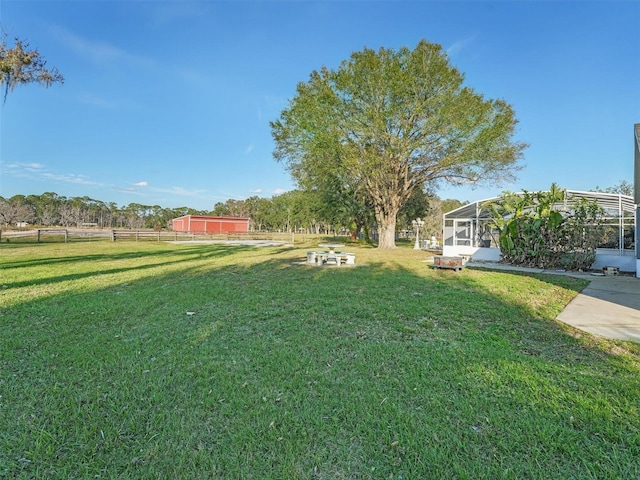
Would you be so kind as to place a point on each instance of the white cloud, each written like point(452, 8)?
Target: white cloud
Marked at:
point(40, 171)
point(257, 191)
point(191, 76)
point(167, 13)
point(141, 184)
point(459, 45)
point(69, 178)
point(180, 191)
point(184, 192)
point(248, 149)
point(33, 167)
point(30, 167)
point(101, 53)
point(96, 101)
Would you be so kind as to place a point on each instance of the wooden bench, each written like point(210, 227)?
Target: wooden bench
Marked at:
point(454, 263)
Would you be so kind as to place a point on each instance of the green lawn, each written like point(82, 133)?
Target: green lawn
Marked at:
point(387, 370)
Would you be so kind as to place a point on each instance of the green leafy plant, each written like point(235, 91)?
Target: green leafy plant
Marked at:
point(546, 229)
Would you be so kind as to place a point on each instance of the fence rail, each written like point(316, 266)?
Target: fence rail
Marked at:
point(69, 234)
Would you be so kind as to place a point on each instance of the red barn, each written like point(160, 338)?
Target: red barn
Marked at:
point(210, 225)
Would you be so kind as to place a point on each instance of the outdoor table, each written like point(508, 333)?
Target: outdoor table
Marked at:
point(330, 257)
point(331, 246)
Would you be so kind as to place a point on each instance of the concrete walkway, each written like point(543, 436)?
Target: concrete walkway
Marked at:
point(608, 307)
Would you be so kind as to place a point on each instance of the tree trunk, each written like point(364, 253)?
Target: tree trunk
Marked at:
point(386, 230)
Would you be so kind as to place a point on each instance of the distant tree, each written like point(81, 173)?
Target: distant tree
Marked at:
point(220, 209)
point(623, 188)
point(449, 204)
point(111, 212)
point(20, 65)
point(238, 208)
point(47, 207)
point(357, 213)
point(392, 122)
point(337, 201)
point(416, 206)
point(16, 209)
point(157, 218)
point(265, 216)
point(433, 216)
point(286, 210)
point(278, 215)
point(257, 211)
point(136, 215)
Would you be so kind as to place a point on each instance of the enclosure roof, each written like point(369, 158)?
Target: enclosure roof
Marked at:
point(610, 202)
point(471, 210)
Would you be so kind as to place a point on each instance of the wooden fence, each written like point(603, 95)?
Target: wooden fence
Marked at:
point(40, 235)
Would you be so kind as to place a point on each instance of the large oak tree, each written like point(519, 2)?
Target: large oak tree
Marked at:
point(389, 122)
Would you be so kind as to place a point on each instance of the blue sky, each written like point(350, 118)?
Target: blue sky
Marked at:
point(168, 102)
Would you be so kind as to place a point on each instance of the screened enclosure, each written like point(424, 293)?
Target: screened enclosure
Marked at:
point(467, 230)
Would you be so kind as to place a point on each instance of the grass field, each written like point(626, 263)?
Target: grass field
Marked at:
point(159, 361)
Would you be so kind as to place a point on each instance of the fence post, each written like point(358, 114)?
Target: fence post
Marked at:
point(66, 236)
point(38, 235)
point(113, 235)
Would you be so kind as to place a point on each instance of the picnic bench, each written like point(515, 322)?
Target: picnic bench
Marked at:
point(331, 258)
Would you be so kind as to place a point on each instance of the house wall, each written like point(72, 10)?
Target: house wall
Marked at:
point(636, 191)
point(637, 240)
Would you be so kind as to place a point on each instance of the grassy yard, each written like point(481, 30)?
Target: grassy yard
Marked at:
point(388, 370)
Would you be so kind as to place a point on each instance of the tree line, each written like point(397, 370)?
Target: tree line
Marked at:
point(317, 211)
point(51, 209)
point(297, 210)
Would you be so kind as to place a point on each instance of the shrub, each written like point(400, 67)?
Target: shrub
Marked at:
point(547, 229)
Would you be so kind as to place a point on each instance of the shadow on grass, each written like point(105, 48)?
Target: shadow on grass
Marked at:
point(608, 305)
point(292, 371)
point(187, 250)
point(174, 257)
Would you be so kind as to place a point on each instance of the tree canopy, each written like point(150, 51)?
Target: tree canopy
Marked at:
point(20, 65)
point(389, 122)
